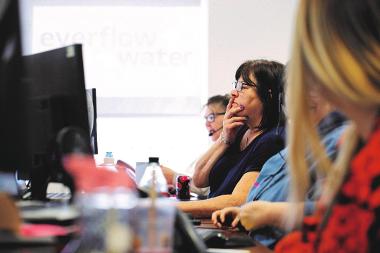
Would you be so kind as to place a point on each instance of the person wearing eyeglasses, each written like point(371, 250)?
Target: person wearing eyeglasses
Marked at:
point(213, 113)
point(252, 132)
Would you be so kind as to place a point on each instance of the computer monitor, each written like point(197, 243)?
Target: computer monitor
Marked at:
point(41, 96)
point(92, 118)
point(13, 124)
point(56, 101)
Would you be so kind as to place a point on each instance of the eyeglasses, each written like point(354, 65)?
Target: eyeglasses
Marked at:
point(211, 117)
point(239, 86)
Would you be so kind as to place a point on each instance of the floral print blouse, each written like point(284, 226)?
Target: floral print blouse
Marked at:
point(352, 223)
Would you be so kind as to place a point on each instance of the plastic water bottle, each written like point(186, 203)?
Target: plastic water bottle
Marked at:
point(153, 172)
point(109, 161)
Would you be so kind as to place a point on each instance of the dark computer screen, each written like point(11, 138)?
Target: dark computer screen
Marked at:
point(92, 118)
point(41, 96)
point(56, 100)
point(12, 93)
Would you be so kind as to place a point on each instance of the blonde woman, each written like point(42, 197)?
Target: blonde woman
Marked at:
point(337, 52)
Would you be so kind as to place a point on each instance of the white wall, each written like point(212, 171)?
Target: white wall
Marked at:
point(236, 30)
point(240, 30)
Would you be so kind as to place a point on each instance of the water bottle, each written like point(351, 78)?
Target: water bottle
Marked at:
point(153, 171)
point(109, 161)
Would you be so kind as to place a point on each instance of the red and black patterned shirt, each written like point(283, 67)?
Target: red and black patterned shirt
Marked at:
point(353, 221)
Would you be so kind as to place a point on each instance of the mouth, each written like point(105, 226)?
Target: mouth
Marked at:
point(237, 105)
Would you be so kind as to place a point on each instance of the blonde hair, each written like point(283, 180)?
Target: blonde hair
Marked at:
point(337, 45)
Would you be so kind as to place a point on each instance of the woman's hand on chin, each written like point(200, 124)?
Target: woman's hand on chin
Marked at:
point(231, 122)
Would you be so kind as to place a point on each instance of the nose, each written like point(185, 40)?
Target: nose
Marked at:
point(234, 93)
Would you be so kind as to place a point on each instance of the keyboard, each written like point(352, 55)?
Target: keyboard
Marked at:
point(58, 196)
point(47, 212)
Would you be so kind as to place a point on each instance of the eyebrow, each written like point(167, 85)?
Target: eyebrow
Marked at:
point(249, 84)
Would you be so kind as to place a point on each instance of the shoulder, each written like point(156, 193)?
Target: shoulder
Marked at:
point(331, 140)
point(369, 154)
point(335, 134)
point(268, 144)
point(367, 159)
point(274, 164)
point(271, 137)
point(274, 133)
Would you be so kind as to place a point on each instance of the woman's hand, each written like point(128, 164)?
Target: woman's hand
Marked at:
point(231, 122)
point(253, 215)
point(220, 217)
point(207, 161)
point(258, 214)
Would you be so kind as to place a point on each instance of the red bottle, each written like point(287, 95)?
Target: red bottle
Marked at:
point(183, 188)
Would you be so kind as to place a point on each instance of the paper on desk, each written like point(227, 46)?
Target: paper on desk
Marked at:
point(88, 177)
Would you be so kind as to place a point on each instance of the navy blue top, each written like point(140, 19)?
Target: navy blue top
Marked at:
point(234, 163)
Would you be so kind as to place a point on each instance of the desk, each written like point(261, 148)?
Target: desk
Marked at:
point(205, 223)
point(259, 248)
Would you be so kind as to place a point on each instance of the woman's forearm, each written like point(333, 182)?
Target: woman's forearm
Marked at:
point(280, 214)
point(205, 163)
point(204, 208)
